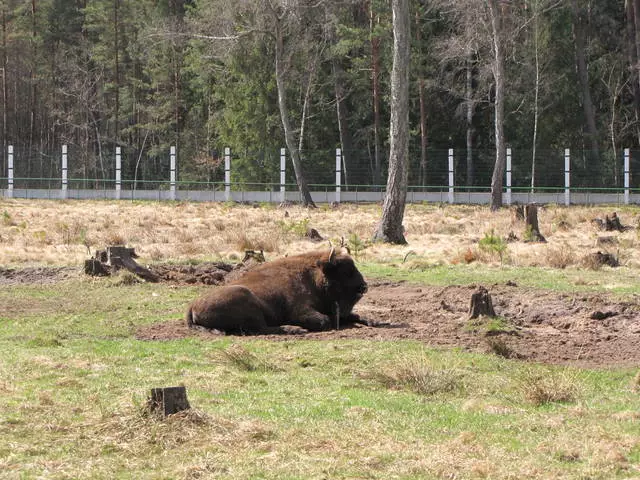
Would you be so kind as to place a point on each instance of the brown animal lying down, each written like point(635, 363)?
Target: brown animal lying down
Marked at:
point(314, 291)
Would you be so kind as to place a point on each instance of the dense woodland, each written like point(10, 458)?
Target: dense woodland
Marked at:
point(315, 75)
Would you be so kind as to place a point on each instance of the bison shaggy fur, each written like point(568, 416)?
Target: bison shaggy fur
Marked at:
point(314, 291)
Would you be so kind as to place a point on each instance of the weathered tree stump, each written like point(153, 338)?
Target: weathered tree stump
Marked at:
point(313, 235)
point(613, 223)
point(481, 304)
point(518, 213)
point(168, 400)
point(531, 222)
point(599, 259)
point(95, 268)
point(117, 257)
point(253, 255)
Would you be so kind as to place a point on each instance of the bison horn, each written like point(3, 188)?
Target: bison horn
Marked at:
point(332, 255)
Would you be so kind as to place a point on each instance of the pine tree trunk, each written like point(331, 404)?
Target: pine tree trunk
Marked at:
point(470, 109)
point(583, 78)
point(375, 67)
point(497, 180)
point(632, 55)
point(390, 227)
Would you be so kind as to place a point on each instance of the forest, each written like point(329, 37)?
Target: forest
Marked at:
point(258, 75)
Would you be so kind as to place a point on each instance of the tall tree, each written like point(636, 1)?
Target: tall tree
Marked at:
point(390, 228)
point(497, 38)
point(580, 22)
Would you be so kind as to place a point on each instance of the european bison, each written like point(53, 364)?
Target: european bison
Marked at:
point(314, 291)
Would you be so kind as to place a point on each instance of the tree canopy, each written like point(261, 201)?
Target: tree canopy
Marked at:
point(314, 76)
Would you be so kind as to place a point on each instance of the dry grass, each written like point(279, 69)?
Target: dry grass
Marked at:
point(550, 387)
point(55, 232)
point(420, 376)
point(242, 359)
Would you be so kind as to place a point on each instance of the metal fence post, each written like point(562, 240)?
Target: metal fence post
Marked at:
point(626, 175)
point(118, 173)
point(10, 171)
point(567, 177)
point(508, 176)
point(338, 173)
point(64, 192)
point(451, 175)
point(283, 176)
point(227, 174)
point(172, 172)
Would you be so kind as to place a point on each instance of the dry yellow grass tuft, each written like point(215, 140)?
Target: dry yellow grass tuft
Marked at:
point(56, 232)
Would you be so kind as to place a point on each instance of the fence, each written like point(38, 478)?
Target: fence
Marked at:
point(221, 187)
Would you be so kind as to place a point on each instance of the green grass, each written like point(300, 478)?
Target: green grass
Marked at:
point(620, 281)
point(74, 380)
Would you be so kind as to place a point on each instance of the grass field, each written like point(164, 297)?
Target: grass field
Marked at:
point(74, 378)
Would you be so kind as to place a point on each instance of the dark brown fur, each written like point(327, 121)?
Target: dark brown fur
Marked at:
point(305, 290)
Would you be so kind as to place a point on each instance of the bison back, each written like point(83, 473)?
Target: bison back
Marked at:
point(230, 309)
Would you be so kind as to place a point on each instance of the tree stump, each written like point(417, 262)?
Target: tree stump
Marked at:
point(613, 223)
point(313, 235)
point(95, 268)
point(518, 213)
point(598, 259)
point(168, 400)
point(481, 304)
point(531, 222)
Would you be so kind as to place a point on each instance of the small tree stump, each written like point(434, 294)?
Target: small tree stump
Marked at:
point(95, 267)
point(313, 235)
point(481, 304)
point(613, 223)
point(518, 213)
point(599, 259)
point(531, 222)
point(168, 400)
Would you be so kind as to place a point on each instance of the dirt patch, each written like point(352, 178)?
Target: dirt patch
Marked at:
point(37, 275)
point(574, 329)
point(589, 330)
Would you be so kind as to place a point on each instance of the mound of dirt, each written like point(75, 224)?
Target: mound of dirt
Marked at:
point(574, 329)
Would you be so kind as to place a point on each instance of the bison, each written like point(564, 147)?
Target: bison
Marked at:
point(314, 291)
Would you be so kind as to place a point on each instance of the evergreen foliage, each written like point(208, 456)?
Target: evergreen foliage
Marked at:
point(144, 75)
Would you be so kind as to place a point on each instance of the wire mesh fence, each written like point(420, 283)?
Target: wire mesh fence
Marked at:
point(261, 170)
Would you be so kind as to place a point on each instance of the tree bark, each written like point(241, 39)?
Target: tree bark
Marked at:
point(470, 109)
point(632, 54)
point(423, 111)
point(116, 41)
point(497, 180)
point(375, 64)
point(534, 141)
point(390, 227)
point(3, 167)
point(307, 201)
point(583, 77)
point(343, 115)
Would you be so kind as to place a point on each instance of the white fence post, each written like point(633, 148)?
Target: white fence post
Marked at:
point(508, 176)
point(283, 176)
point(10, 171)
point(118, 173)
point(451, 175)
point(338, 173)
point(65, 178)
point(227, 174)
point(567, 177)
point(626, 175)
point(172, 172)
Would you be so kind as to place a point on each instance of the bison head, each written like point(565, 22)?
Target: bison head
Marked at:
point(345, 284)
